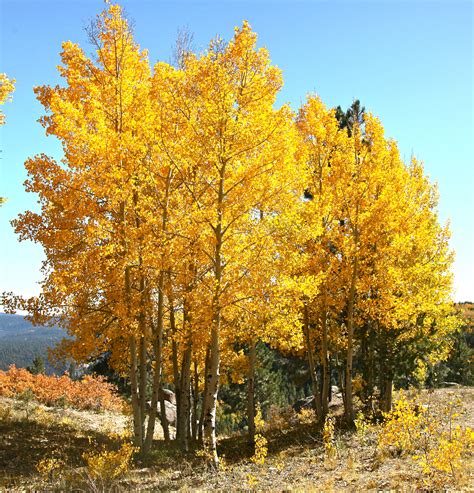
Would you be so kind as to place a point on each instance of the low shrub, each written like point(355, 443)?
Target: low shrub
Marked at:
point(110, 464)
point(430, 437)
point(89, 393)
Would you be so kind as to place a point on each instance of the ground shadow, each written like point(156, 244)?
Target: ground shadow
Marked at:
point(24, 443)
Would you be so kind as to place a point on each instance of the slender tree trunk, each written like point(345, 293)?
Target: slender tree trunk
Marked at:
point(210, 400)
point(349, 403)
point(388, 388)
point(142, 384)
point(142, 350)
point(157, 370)
point(311, 362)
point(137, 418)
point(184, 411)
point(252, 359)
point(364, 360)
point(137, 415)
point(370, 364)
point(385, 371)
point(174, 355)
point(342, 385)
point(154, 401)
point(195, 395)
point(158, 394)
point(177, 386)
point(212, 380)
point(389, 394)
point(324, 362)
point(329, 379)
point(164, 419)
point(204, 394)
point(161, 394)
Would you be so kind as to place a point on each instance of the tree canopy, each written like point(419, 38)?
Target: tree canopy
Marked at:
point(191, 218)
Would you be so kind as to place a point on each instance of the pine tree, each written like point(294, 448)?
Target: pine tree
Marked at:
point(38, 366)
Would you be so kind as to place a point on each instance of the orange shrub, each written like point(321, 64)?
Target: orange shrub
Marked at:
point(88, 393)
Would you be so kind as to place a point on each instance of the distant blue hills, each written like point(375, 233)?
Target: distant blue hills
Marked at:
point(21, 342)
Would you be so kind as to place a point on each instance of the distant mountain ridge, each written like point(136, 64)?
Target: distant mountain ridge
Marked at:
point(21, 342)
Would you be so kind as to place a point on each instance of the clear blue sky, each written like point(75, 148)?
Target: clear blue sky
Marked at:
point(409, 62)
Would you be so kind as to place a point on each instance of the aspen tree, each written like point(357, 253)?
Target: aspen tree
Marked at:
point(323, 150)
point(413, 299)
point(239, 160)
point(91, 223)
point(359, 233)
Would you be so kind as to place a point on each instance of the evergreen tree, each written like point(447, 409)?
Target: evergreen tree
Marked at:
point(38, 366)
point(354, 114)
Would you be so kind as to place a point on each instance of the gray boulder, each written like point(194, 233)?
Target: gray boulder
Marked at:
point(168, 395)
point(307, 402)
point(170, 411)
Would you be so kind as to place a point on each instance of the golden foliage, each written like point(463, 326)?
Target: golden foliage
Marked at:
point(329, 438)
point(7, 86)
point(110, 464)
point(440, 447)
point(306, 416)
point(260, 442)
point(403, 426)
point(50, 467)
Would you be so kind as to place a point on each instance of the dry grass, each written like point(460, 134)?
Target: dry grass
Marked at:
point(296, 459)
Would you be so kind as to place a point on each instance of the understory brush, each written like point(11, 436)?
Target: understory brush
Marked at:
point(93, 393)
point(431, 437)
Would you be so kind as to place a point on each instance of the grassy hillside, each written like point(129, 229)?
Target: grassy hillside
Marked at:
point(44, 448)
